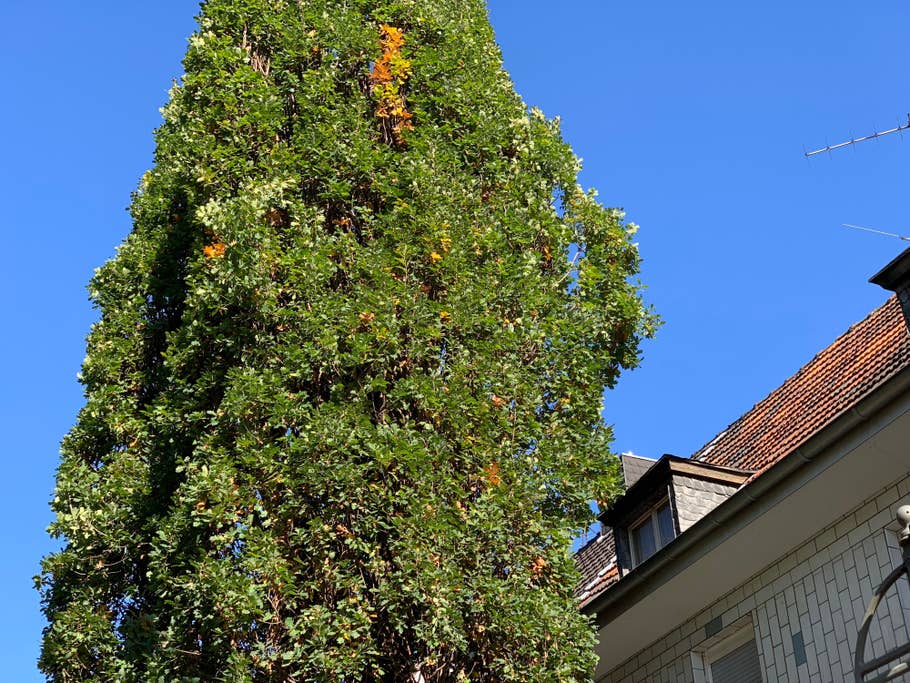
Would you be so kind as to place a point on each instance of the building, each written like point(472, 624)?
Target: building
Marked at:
point(754, 560)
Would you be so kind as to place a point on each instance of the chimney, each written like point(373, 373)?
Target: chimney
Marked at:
point(896, 278)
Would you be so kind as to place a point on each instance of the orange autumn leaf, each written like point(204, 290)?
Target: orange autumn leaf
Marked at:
point(388, 75)
point(367, 317)
point(392, 37)
point(404, 124)
point(381, 73)
point(491, 474)
point(215, 250)
point(498, 401)
point(538, 566)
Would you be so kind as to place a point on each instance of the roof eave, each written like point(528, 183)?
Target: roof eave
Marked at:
point(895, 275)
point(744, 506)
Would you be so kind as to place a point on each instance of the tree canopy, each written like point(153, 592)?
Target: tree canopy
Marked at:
point(343, 401)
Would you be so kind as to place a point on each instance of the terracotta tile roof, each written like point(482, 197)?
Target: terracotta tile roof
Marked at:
point(866, 355)
point(596, 560)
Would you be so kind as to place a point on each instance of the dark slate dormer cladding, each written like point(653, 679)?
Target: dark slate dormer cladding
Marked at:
point(697, 496)
point(634, 466)
point(691, 488)
point(895, 277)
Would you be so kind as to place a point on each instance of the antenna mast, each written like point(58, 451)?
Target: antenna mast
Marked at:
point(853, 141)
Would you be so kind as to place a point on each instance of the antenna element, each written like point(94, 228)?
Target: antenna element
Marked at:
point(853, 141)
point(877, 232)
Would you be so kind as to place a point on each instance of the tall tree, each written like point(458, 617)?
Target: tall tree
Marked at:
point(343, 400)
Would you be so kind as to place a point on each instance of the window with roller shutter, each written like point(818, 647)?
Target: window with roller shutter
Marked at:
point(734, 659)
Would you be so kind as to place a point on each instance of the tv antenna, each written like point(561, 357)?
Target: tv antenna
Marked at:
point(877, 232)
point(830, 148)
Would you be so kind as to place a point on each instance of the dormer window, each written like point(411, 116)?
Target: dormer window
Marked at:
point(652, 532)
point(664, 498)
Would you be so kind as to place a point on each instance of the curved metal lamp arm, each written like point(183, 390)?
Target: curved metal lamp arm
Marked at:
point(863, 668)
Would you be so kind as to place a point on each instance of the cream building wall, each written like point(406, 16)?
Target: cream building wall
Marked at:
point(804, 610)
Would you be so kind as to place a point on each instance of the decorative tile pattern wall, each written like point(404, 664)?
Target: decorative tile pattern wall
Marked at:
point(819, 590)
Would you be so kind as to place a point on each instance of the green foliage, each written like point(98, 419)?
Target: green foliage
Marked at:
point(343, 400)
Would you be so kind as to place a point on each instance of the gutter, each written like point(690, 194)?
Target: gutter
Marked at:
point(746, 505)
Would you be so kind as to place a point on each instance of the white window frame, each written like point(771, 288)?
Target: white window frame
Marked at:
point(651, 516)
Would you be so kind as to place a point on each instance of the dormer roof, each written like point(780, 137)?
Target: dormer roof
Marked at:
point(867, 356)
point(659, 476)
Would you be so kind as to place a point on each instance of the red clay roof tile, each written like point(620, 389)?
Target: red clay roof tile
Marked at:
point(596, 560)
point(858, 361)
point(864, 357)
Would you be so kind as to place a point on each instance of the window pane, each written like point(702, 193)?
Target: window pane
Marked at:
point(643, 539)
point(739, 666)
point(665, 523)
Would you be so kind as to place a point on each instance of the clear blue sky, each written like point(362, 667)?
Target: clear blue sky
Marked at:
point(692, 116)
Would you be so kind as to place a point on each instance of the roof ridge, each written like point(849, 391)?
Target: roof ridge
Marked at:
point(630, 454)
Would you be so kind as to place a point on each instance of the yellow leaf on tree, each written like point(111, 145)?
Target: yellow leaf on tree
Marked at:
point(392, 38)
point(491, 473)
point(215, 250)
